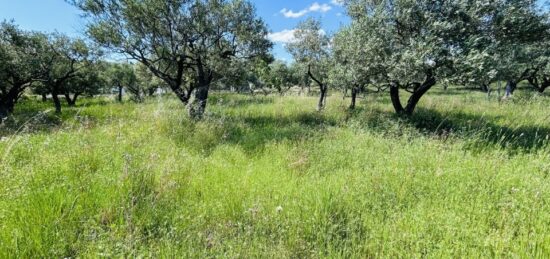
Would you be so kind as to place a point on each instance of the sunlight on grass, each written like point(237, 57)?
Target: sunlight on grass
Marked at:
point(270, 177)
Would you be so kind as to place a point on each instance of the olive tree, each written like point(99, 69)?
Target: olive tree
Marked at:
point(311, 48)
point(509, 43)
point(89, 81)
point(539, 75)
point(521, 31)
point(121, 76)
point(66, 58)
point(180, 37)
point(21, 56)
point(278, 76)
point(354, 65)
point(147, 82)
point(411, 43)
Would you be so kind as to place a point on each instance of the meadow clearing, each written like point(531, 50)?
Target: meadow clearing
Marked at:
point(268, 176)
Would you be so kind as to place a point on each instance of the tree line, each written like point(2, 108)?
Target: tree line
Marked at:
point(409, 45)
point(192, 46)
point(60, 66)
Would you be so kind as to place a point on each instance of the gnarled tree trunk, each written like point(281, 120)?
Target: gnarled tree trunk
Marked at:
point(395, 99)
point(9, 99)
point(539, 86)
point(55, 98)
point(198, 106)
point(322, 87)
point(71, 101)
point(415, 97)
point(182, 95)
point(57, 103)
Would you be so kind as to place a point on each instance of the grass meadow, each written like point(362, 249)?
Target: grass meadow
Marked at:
point(269, 177)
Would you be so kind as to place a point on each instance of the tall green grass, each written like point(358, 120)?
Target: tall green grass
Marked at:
point(270, 177)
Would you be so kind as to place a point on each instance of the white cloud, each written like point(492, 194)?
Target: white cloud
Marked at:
point(287, 36)
point(284, 36)
point(291, 14)
point(337, 2)
point(315, 7)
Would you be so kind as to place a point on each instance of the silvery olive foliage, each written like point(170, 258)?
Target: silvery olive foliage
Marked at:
point(21, 59)
point(66, 58)
point(312, 49)
point(414, 44)
point(180, 39)
point(278, 76)
point(409, 45)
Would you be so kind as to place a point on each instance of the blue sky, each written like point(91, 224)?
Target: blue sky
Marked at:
point(280, 15)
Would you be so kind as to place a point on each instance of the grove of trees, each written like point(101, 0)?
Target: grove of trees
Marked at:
point(193, 46)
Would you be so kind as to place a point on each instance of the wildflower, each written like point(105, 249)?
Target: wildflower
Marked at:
point(279, 209)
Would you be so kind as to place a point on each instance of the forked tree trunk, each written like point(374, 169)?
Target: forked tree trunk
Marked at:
point(183, 95)
point(71, 101)
point(395, 99)
point(539, 86)
point(413, 99)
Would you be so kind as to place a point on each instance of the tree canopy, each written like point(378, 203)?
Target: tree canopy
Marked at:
point(179, 38)
point(21, 59)
point(312, 48)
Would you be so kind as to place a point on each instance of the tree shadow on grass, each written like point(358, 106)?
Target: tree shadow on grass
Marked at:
point(42, 121)
point(35, 116)
point(252, 132)
point(480, 131)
